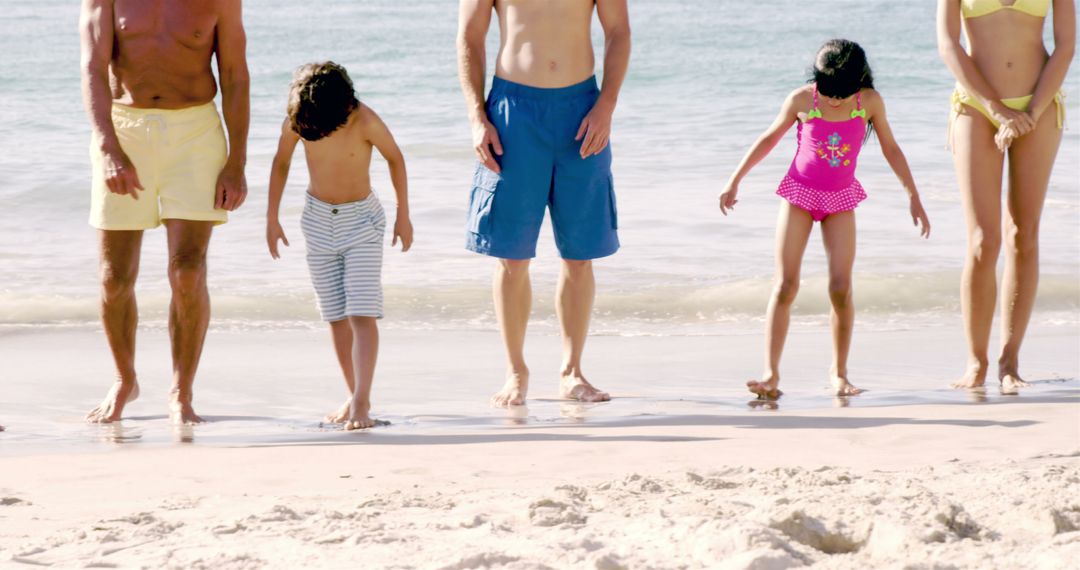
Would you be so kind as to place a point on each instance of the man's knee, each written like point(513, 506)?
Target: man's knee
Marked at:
point(576, 268)
point(514, 268)
point(187, 272)
point(117, 281)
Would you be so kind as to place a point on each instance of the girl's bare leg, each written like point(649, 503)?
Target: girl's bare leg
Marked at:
point(838, 233)
point(792, 232)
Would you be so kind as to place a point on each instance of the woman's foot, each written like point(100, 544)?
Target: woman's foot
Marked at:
point(765, 389)
point(574, 386)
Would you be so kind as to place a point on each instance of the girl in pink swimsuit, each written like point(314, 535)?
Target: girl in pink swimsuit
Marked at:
point(835, 113)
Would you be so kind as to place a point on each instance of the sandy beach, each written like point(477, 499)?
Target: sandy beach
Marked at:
point(928, 479)
point(917, 487)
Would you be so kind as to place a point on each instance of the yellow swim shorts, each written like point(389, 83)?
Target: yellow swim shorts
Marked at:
point(178, 155)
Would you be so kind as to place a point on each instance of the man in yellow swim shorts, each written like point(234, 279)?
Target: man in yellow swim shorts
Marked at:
point(159, 156)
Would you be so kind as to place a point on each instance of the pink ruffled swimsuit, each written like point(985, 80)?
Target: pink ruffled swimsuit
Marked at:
point(821, 179)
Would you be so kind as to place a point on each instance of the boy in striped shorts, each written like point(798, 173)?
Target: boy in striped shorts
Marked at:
point(343, 222)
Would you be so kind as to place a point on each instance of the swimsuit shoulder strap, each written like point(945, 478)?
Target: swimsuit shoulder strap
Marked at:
point(859, 111)
point(815, 112)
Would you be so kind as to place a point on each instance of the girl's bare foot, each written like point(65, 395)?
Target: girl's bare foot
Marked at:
point(841, 386)
point(574, 386)
point(765, 389)
point(513, 391)
point(110, 409)
point(975, 377)
point(341, 415)
point(359, 417)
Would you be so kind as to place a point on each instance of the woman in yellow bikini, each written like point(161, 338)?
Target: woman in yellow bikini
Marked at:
point(1007, 105)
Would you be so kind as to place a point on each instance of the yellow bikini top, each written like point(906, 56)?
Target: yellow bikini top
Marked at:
point(976, 8)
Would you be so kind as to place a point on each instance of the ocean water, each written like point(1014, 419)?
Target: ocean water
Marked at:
point(705, 78)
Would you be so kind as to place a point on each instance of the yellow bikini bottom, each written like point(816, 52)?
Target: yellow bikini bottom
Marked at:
point(961, 98)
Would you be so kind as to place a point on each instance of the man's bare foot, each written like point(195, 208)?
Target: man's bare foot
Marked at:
point(574, 386)
point(765, 389)
point(110, 409)
point(341, 415)
point(182, 413)
point(975, 377)
point(358, 416)
point(1010, 379)
point(513, 391)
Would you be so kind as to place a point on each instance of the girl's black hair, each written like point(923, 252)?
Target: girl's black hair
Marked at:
point(840, 70)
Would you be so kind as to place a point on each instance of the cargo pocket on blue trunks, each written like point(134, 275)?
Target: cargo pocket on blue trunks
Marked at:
point(611, 202)
point(482, 201)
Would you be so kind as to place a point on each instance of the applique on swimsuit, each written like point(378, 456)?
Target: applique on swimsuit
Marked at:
point(833, 150)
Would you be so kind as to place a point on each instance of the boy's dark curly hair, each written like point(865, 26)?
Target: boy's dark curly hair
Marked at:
point(321, 98)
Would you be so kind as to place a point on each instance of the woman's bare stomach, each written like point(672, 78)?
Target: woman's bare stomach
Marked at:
point(1011, 64)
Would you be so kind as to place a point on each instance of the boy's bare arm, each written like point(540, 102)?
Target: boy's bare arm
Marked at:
point(377, 133)
point(279, 174)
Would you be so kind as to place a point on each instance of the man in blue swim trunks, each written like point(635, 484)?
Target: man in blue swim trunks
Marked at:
point(542, 142)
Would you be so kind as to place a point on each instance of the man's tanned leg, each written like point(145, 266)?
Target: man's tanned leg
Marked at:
point(574, 302)
point(513, 303)
point(189, 311)
point(119, 317)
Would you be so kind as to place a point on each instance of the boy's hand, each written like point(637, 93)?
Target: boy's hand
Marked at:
point(402, 231)
point(918, 216)
point(728, 198)
point(274, 232)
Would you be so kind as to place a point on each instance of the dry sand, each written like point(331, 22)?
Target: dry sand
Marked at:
point(943, 486)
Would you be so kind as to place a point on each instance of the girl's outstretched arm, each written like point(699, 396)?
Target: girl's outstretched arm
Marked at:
point(875, 107)
point(798, 98)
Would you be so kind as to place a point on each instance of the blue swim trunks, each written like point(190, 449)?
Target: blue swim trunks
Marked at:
point(542, 168)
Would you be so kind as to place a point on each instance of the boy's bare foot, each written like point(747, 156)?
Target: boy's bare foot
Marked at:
point(841, 386)
point(765, 389)
point(341, 415)
point(1009, 376)
point(975, 377)
point(358, 416)
point(513, 391)
point(110, 409)
point(182, 413)
point(574, 386)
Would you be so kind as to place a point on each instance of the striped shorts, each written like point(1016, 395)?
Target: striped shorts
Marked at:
point(344, 255)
